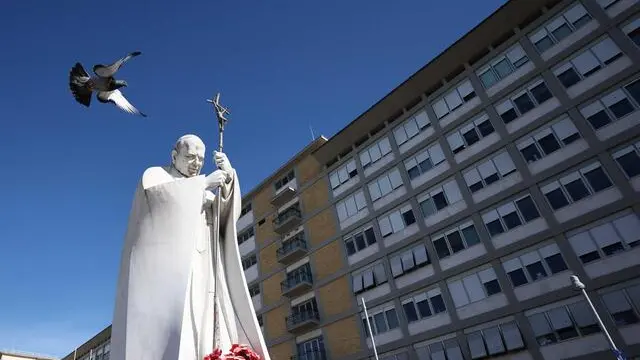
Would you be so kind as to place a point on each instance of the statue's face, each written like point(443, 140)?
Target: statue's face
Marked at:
point(189, 158)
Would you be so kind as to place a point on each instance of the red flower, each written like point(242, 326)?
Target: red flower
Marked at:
point(215, 355)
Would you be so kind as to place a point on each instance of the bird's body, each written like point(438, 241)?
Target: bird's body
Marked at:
point(103, 83)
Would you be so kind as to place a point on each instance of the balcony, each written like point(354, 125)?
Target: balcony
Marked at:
point(302, 321)
point(297, 283)
point(311, 355)
point(285, 193)
point(292, 249)
point(287, 220)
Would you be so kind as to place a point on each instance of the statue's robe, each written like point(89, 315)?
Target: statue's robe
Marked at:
point(164, 298)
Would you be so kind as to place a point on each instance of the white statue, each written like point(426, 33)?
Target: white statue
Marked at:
point(164, 299)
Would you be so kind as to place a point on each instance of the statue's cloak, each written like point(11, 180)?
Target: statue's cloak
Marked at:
point(155, 316)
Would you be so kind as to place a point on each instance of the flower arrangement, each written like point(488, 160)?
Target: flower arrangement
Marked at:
point(237, 352)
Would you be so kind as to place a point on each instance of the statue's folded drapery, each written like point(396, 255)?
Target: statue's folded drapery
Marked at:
point(164, 298)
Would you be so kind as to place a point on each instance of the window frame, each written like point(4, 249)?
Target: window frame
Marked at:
point(416, 120)
point(598, 103)
point(550, 128)
point(550, 33)
point(518, 211)
point(473, 124)
point(509, 100)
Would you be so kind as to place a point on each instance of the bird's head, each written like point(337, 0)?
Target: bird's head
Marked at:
point(117, 84)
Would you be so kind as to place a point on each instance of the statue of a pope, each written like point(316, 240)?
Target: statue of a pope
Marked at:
point(165, 307)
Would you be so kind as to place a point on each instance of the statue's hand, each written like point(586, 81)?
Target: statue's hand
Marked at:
point(222, 162)
point(215, 179)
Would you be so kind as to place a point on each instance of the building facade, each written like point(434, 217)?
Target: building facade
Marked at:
point(458, 206)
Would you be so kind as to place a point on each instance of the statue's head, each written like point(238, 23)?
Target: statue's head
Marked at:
point(187, 155)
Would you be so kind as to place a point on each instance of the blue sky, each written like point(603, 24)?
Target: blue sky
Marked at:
point(69, 172)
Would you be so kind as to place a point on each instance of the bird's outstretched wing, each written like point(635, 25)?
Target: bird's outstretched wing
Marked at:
point(118, 100)
point(78, 79)
point(110, 70)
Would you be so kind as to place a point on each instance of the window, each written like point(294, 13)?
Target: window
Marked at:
point(425, 160)
point(423, 305)
point(576, 186)
point(623, 305)
point(629, 159)
point(439, 198)
point(510, 215)
point(351, 205)
point(381, 321)
point(411, 127)
point(560, 27)
point(489, 171)
point(343, 174)
point(632, 30)
point(245, 210)
point(523, 101)
point(613, 106)
point(409, 260)
point(455, 239)
point(396, 220)
point(245, 235)
point(474, 287)
point(375, 152)
point(360, 240)
point(311, 349)
point(548, 139)
point(607, 239)
point(254, 290)
point(249, 261)
point(285, 180)
point(441, 350)
point(470, 133)
point(369, 278)
point(385, 184)
point(453, 99)
point(534, 265)
point(297, 276)
point(588, 62)
point(502, 66)
point(563, 323)
point(495, 340)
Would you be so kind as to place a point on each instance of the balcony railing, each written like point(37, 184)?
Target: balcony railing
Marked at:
point(284, 194)
point(287, 220)
point(296, 283)
point(311, 355)
point(292, 249)
point(303, 321)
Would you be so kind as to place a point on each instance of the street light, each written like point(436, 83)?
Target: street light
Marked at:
point(580, 286)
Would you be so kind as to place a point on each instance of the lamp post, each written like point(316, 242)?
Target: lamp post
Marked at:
point(580, 286)
point(373, 341)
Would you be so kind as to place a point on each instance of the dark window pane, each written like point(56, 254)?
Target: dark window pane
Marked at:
point(455, 240)
point(440, 201)
point(408, 217)
point(556, 199)
point(492, 287)
point(351, 249)
point(613, 249)
point(536, 271)
point(392, 318)
point(543, 44)
point(475, 187)
point(556, 263)
point(598, 179)
point(360, 243)
point(577, 190)
point(509, 116)
point(423, 308)
point(524, 103)
point(425, 165)
point(599, 119)
point(549, 144)
point(528, 209)
point(583, 20)
point(471, 136)
point(562, 32)
point(491, 179)
point(621, 108)
point(517, 277)
point(531, 153)
point(428, 208)
point(438, 304)
point(485, 128)
point(512, 220)
point(541, 93)
point(488, 78)
point(370, 236)
point(589, 257)
point(503, 68)
point(414, 172)
point(410, 312)
point(635, 36)
point(495, 228)
point(569, 78)
point(471, 235)
point(634, 90)
point(441, 248)
point(630, 163)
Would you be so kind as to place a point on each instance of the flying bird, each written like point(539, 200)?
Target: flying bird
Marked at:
point(104, 84)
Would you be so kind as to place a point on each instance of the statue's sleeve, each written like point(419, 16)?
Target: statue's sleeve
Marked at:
point(231, 200)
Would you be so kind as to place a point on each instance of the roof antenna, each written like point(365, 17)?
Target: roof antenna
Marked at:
point(313, 136)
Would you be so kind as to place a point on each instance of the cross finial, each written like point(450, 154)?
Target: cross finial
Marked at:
point(221, 111)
